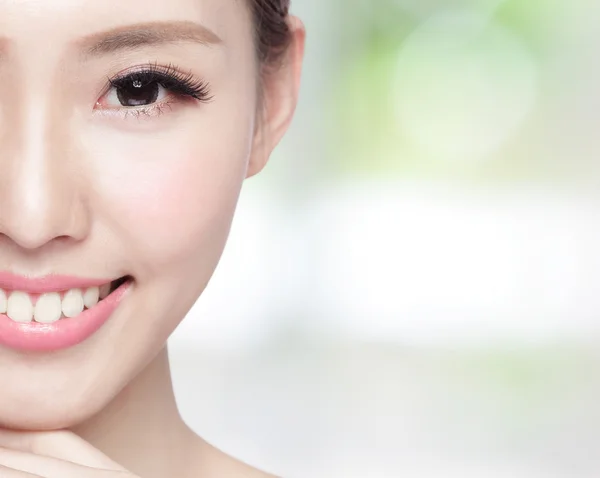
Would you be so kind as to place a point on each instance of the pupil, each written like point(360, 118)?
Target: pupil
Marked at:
point(138, 94)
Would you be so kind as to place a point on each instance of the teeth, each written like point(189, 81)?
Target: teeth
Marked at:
point(47, 308)
point(104, 290)
point(72, 303)
point(91, 296)
point(3, 302)
point(19, 307)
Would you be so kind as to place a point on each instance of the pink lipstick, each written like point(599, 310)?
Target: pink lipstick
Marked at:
point(65, 332)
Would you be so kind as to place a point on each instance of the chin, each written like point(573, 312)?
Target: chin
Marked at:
point(49, 399)
point(44, 417)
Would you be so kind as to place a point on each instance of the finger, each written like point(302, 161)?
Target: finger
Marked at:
point(63, 445)
point(47, 467)
point(6, 472)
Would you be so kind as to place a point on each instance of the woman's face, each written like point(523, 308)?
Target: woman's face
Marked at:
point(101, 181)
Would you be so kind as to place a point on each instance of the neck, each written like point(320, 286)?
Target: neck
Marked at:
point(141, 429)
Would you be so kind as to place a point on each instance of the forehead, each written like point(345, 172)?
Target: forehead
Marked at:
point(58, 24)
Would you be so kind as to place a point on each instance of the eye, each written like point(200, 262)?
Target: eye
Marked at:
point(151, 87)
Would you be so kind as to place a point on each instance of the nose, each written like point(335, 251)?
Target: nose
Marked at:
point(41, 191)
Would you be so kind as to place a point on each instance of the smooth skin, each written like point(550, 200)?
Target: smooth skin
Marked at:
point(89, 189)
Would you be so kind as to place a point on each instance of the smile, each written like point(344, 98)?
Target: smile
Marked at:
point(55, 312)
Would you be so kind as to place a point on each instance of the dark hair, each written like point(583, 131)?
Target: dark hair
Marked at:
point(272, 30)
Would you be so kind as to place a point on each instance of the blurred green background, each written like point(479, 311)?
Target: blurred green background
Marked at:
point(410, 287)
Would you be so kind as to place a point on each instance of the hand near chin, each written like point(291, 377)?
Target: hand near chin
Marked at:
point(55, 454)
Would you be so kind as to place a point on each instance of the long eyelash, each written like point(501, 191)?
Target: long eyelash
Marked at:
point(169, 78)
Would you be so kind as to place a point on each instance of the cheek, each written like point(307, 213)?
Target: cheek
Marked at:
point(170, 199)
point(170, 211)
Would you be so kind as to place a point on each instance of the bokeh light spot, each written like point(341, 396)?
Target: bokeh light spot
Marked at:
point(464, 85)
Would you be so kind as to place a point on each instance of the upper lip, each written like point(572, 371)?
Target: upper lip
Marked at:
point(48, 283)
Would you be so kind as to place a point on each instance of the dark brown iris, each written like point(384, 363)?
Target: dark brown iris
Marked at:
point(138, 93)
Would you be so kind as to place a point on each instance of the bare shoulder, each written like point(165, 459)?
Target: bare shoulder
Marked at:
point(214, 463)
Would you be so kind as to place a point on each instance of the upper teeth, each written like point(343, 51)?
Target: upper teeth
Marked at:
point(72, 303)
point(49, 307)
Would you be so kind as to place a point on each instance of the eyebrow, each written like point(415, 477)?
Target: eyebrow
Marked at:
point(129, 37)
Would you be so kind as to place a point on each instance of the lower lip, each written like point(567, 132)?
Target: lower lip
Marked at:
point(62, 334)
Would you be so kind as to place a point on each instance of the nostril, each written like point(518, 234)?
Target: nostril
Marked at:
point(63, 238)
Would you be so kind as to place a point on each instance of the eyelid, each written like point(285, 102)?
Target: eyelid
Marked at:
point(175, 81)
point(142, 112)
point(169, 73)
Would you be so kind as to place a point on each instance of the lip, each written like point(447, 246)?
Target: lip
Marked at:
point(64, 333)
point(49, 283)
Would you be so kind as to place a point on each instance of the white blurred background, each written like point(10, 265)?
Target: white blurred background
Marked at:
point(410, 287)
